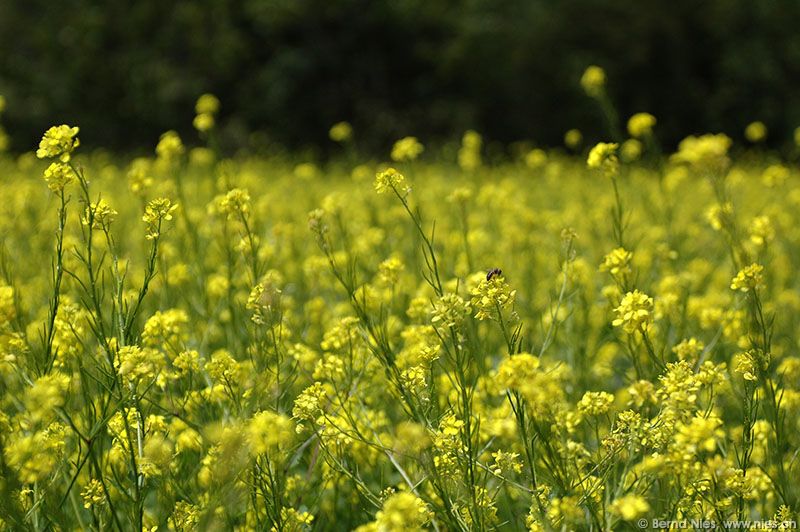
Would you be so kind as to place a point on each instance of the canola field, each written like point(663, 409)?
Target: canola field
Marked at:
point(589, 338)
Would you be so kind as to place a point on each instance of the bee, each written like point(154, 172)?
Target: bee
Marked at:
point(493, 272)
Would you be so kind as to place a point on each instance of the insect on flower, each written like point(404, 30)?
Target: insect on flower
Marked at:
point(493, 272)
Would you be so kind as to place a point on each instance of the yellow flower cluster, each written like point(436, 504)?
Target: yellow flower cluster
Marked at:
point(390, 180)
point(617, 263)
point(749, 278)
point(604, 157)
point(635, 312)
point(368, 366)
point(707, 153)
point(406, 149)
point(491, 297)
point(206, 107)
point(58, 142)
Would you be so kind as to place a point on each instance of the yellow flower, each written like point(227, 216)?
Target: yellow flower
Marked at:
point(166, 329)
point(157, 211)
point(749, 278)
point(604, 157)
point(635, 312)
point(595, 403)
point(223, 368)
point(536, 158)
point(630, 507)
point(389, 271)
point(185, 516)
point(309, 403)
point(573, 138)
point(140, 178)
point(705, 153)
point(491, 296)
point(506, 462)
point(700, 434)
point(755, 131)
point(293, 521)
point(93, 494)
point(58, 141)
point(390, 179)
point(235, 204)
point(8, 310)
point(406, 149)
point(341, 132)
point(641, 124)
point(203, 122)
point(631, 150)
point(593, 81)
point(137, 364)
point(689, 349)
point(469, 155)
point(58, 176)
point(449, 310)
point(761, 231)
point(102, 215)
point(207, 104)
point(403, 512)
point(169, 147)
point(617, 262)
point(269, 432)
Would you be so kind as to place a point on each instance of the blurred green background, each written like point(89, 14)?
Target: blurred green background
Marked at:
point(126, 70)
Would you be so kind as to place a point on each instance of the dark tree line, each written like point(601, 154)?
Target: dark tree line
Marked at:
point(126, 70)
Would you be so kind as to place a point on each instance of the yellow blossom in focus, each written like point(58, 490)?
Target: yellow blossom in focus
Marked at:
point(157, 211)
point(491, 296)
point(604, 157)
point(390, 179)
point(58, 141)
point(749, 278)
point(635, 312)
point(101, 214)
point(92, 494)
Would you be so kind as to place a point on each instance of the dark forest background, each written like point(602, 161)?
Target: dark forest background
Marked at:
point(127, 70)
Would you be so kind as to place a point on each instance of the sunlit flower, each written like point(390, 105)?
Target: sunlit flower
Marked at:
point(58, 141)
point(635, 312)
